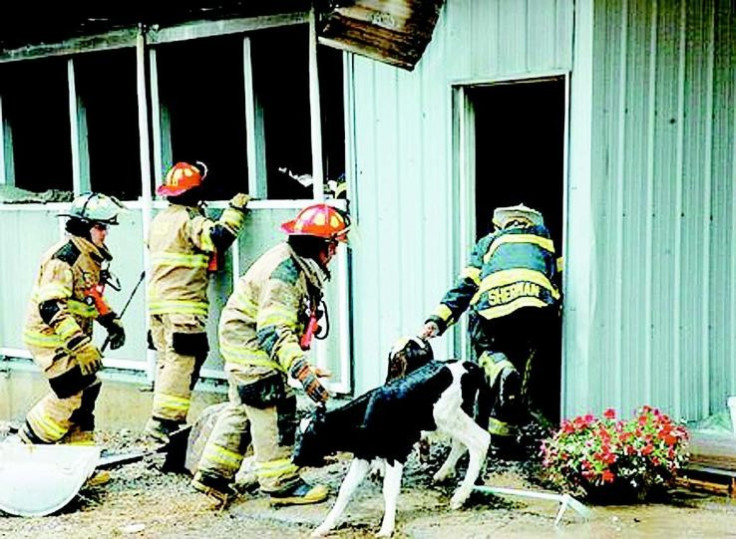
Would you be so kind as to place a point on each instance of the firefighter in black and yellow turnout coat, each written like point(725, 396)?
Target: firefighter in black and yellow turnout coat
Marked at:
point(265, 331)
point(184, 244)
point(66, 299)
point(508, 286)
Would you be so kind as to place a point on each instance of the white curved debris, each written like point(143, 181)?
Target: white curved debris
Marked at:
point(36, 480)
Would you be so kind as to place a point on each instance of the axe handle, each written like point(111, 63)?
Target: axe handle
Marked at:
point(125, 307)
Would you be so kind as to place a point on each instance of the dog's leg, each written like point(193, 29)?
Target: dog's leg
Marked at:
point(448, 468)
point(355, 475)
point(391, 488)
point(477, 441)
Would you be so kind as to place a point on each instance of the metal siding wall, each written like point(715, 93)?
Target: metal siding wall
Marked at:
point(25, 237)
point(662, 180)
point(722, 313)
point(405, 258)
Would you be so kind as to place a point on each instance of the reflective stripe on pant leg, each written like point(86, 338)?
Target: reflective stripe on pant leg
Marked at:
point(50, 418)
point(493, 363)
point(223, 454)
point(500, 428)
point(273, 464)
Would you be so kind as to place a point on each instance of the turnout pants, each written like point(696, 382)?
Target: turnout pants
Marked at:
point(180, 341)
point(66, 414)
point(506, 348)
point(261, 411)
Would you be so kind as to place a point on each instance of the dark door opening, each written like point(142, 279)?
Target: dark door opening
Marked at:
point(519, 157)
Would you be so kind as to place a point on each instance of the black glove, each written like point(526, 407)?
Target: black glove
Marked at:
point(115, 330)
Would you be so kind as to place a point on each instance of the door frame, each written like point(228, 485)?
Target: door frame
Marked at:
point(463, 165)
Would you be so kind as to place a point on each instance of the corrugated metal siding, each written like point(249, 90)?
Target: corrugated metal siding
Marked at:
point(20, 252)
point(402, 143)
point(664, 131)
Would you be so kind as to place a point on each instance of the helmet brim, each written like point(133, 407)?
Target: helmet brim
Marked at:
point(170, 191)
point(290, 228)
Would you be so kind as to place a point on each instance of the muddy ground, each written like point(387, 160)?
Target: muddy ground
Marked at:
point(141, 500)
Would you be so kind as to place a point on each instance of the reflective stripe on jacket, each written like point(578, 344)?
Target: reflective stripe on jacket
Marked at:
point(267, 312)
point(507, 270)
point(181, 244)
point(68, 270)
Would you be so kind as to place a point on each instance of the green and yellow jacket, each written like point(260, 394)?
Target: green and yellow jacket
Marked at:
point(508, 269)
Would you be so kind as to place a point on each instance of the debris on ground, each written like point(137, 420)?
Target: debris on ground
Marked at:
point(143, 501)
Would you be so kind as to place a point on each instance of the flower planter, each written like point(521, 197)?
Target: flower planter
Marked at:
point(616, 461)
point(616, 493)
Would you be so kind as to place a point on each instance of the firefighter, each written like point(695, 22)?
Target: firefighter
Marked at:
point(66, 299)
point(265, 332)
point(509, 288)
point(185, 247)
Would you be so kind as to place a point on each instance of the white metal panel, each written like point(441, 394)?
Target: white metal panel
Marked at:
point(409, 247)
point(662, 188)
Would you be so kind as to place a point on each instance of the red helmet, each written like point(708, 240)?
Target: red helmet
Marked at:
point(181, 178)
point(321, 220)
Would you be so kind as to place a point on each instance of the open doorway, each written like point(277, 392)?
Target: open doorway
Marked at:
point(518, 134)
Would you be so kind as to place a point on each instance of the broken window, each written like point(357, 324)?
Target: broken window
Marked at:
point(108, 110)
point(35, 105)
point(200, 90)
point(202, 104)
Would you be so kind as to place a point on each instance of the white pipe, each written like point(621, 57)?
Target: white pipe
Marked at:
point(145, 171)
point(564, 499)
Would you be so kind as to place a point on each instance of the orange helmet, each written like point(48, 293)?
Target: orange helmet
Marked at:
point(319, 220)
point(181, 178)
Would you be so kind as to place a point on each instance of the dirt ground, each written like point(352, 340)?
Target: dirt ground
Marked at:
point(142, 501)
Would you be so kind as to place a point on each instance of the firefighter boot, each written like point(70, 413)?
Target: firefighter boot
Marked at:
point(160, 430)
point(302, 493)
point(505, 416)
point(214, 486)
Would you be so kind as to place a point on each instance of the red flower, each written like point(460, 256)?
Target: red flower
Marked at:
point(609, 458)
point(608, 476)
point(610, 414)
point(647, 449)
point(670, 440)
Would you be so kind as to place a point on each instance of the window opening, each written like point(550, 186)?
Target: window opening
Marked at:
point(281, 84)
point(333, 120)
point(36, 109)
point(203, 110)
point(106, 86)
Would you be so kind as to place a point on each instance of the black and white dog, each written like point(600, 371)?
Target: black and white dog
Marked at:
point(386, 422)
